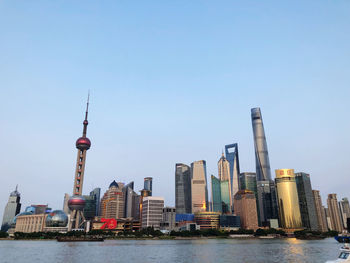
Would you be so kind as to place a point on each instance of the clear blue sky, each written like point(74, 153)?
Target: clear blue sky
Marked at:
point(170, 81)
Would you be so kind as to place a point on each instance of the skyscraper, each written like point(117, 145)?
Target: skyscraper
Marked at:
point(76, 203)
point(216, 195)
point(245, 204)
point(199, 190)
point(92, 204)
point(247, 181)
point(147, 185)
point(152, 211)
point(344, 211)
point(12, 208)
point(112, 202)
point(183, 189)
point(334, 213)
point(267, 205)
point(129, 197)
point(288, 201)
point(321, 217)
point(231, 152)
point(263, 171)
point(96, 194)
point(306, 201)
point(225, 184)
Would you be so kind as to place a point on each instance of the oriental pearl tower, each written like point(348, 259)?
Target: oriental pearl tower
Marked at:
point(77, 202)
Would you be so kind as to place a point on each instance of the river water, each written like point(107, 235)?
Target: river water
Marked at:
point(179, 251)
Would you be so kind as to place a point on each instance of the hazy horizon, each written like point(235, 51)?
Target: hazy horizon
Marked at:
point(170, 83)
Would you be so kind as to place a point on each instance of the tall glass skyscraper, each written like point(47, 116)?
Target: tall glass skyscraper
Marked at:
point(288, 201)
point(225, 184)
point(12, 208)
point(247, 181)
point(306, 201)
point(267, 204)
point(263, 171)
point(199, 188)
point(216, 195)
point(183, 202)
point(147, 185)
point(231, 152)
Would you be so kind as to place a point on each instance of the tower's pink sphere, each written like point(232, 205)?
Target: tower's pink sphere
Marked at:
point(83, 143)
point(76, 202)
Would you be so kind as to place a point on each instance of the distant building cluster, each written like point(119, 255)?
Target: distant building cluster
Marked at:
point(248, 200)
point(254, 199)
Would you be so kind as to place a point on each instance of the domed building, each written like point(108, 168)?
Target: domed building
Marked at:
point(56, 218)
point(112, 203)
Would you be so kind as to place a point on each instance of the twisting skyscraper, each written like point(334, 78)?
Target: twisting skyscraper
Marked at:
point(267, 203)
point(263, 171)
point(77, 202)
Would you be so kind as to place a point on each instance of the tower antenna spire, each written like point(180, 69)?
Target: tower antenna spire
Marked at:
point(86, 115)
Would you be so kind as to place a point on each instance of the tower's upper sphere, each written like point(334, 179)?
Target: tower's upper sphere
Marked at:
point(76, 202)
point(83, 143)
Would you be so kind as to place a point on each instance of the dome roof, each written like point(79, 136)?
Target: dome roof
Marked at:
point(56, 218)
point(83, 143)
point(114, 183)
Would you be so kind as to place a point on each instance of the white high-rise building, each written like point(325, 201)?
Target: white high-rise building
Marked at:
point(12, 208)
point(152, 211)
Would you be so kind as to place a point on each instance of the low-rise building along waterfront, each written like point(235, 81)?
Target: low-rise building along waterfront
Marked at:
point(207, 220)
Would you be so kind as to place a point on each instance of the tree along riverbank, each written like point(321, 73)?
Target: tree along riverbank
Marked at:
point(150, 233)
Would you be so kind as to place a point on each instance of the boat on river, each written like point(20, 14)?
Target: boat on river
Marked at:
point(344, 255)
point(343, 238)
point(80, 239)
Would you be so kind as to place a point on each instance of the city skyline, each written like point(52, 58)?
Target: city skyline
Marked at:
point(155, 94)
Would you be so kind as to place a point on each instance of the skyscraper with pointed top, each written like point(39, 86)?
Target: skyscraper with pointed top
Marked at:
point(12, 208)
point(77, 202)
point(266, 190)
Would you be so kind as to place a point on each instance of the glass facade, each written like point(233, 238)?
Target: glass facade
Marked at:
point(90, 207)
point(199, 190)
point(306, 201)
point(216, 195)
point(288, 201)
point(147, 185)
point(12, 209)
point(207, 220)
point(263, 171)
point(267, 205)
point(96, 193)
point(247, 181)
point(229, 221)
point(231, 153)
point(183, 189)
point(225, 184)
point(184, 217)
